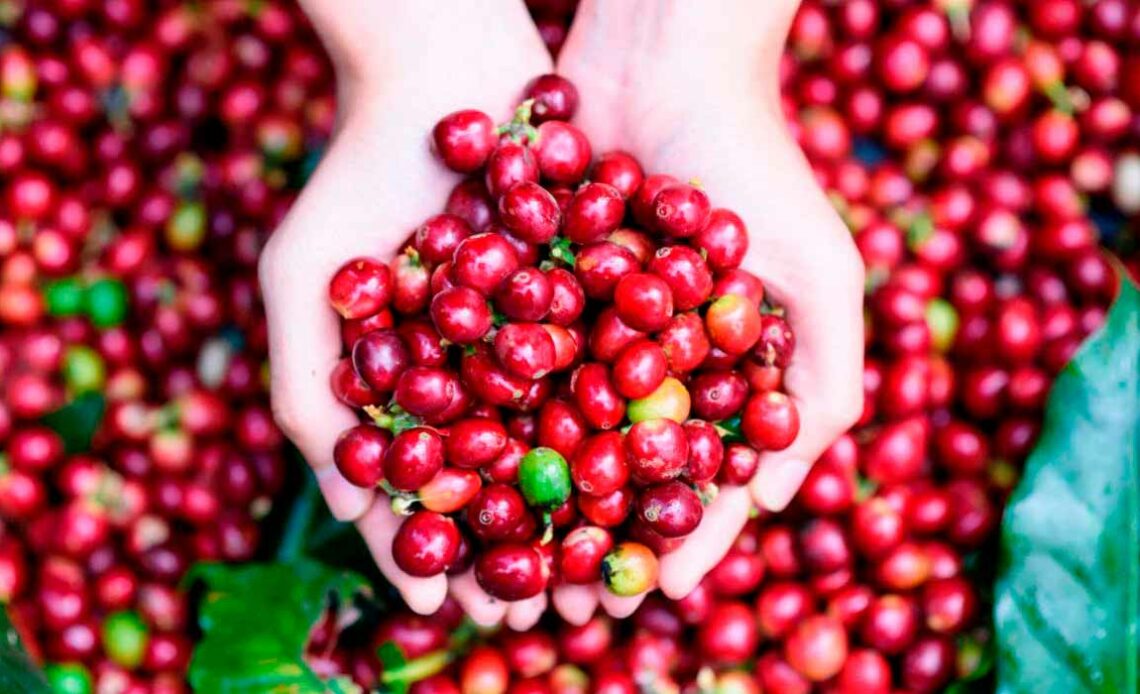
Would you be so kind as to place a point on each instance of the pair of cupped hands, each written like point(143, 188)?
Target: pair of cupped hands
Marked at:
point(690, 89)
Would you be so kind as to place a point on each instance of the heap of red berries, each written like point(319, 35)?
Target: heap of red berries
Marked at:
point(563, 348)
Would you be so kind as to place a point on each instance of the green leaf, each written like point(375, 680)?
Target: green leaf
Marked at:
point(1067, 601)
point(255, 621)
point(18, 674)
point(77, 421)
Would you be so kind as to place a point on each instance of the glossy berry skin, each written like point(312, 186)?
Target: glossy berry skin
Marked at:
point(475, 442)
point(495, 512)
point(724, 239)
point(509, 165)
point(640, 368)
point(671, 509)
point(510, 571)
point(595, 210)
point(629, 569)
point(729, 635)
point(425, 544)
point(686, 273)
point(461, 315)
point(464, 140)
point(680, 210)
point(581, 554)
point(359, 454)
point(777, 342)
point(597, 398)
point(599, 466)
point(530, 212)
point(643, 301)
point(817, 648)
point(657, 450)
point(525, 295)
point(620, 170)
point(525, 349)
point(733, 324)
point(379, 357)
point(483, 261)
point(425, 391)
point(563, 152)
point(413, 458)
point(555, 98)
point(770, 421)
point(438, 237)
point(360, 288)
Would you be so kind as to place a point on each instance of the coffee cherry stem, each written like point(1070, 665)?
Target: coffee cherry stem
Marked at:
point(394, 419)
point(548, 528)
point(418, 669)
point(729, 430)
point(403, 504)
point(519, 128)
point(560, 250)
point(707, 492)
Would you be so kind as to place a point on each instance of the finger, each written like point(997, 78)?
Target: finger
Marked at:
point(683, 568)
point(620, 607)
point(378, 526)
point(576, 603)
point(483, 609)
point(304, 347)
point(524, 614)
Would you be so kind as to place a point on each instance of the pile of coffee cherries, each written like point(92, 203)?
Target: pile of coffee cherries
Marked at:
point(562, 348)
point(146, 151)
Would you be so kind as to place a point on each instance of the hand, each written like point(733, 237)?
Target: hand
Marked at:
point(401, 65)
point(692, 89)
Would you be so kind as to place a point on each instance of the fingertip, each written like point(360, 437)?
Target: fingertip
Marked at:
point(483, 609)
point(576, 603)
point(620, 607)
point(777, 481)
point(423, 595)
point(345, 500)
point(683, 569)
point(525, 614)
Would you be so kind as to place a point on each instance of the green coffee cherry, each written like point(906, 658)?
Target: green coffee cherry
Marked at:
point(83, 370)
point(64, 297)
point(68, 678)
point(124, 638)
point(544, 478)
point(105, 303)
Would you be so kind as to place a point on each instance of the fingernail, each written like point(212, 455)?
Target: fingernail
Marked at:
point(778, 480)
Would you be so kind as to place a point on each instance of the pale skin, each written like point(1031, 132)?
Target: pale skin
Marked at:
point(690, 89)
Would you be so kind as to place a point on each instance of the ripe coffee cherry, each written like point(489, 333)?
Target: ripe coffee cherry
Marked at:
point(640, 369)
point(595, 210)
point(770, 421)
point(686, 273)
point(475, 442)
point(643, 301)
point(657, 450)
point(563, 152)
point(511, 571)
point(461, 315)
point(599, 466)
point(671, 509)
point(360, 288)
point(776, 343)
point(597, 398)
point(413, 458)
point(379, 357)
point(555, 98)
point(483, 261)
point(582, 552)
point(525, 349)
point(680, 210)
point(438, 237)
point(464, 140)
point(817, 648)
point(531, 212)
point(526, 295)
point(425, 544)
point(733, 324)
point(724, 239)
point(359, 454)
point(620, 170)
point(729, 635)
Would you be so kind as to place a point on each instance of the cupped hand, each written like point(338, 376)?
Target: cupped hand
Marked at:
point(400, 67)
point(691, 89)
